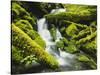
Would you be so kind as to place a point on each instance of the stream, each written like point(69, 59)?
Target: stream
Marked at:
point(65, 60)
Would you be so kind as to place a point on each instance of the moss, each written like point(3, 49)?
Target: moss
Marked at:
point(19, 13)
point(27, 28)
point(87, 61)
point(20, 57)
point(83, 58)
point(18, 10)
point(88, 38)
point(29, 60)
point(53, 33)
point(71, 30)
point(70, 16)
point(24, 24)
point(60, 44)
point(32, 48)
point(82, 34)
point(16, 54)
point(75, 13)
point(90, 48)
point(71, 49)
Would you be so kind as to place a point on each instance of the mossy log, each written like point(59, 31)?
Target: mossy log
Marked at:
point(23, 41)
point(83, 18)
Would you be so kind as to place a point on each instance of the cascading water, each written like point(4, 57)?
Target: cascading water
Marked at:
point(65, 60)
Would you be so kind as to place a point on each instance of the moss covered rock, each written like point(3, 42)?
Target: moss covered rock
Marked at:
point(90, 63)
point(32, 48)
point(53, 33)
point(27, 28)
point(16, 54)
point(60, 44)
point(71, 30)
point(20, 13)
point(75, 13)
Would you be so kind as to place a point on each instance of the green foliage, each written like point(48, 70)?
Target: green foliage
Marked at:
point(20, 57)
point(32, 48)
point(28, 60)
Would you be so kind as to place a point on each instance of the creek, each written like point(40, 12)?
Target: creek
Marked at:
point(66, 60)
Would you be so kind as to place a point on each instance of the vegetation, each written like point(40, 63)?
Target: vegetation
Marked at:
point(77, 26)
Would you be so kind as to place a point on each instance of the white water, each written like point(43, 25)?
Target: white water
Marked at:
point(63, 58)
point(56, 11)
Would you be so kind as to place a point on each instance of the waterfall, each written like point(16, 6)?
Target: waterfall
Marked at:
point(56, 11)
point(64, 59)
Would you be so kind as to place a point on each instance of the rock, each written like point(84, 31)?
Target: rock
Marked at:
point(87, 61)
point(32, 47)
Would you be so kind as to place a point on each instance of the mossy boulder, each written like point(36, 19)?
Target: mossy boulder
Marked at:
point(83, 58)
point(31, 47)
point(20, 13)
point(53, 32)
point(71, 49)
point(60, 44)
point(90, 48)
point(75, 13)
point(16, 54)
point(27, 28)
point(86, 39)
point(71, 30)
point(90, 63)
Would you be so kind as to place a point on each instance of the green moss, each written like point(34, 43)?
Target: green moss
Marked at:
point(18, 10)
point(20, 13)
point(24, 24)
point(29, 60)
point(88, 38)
point(60, 44)
point(87, 61)
point(90, 48)
point(16, 54)
point(32, 48)
point(70, 16)
point(82, 34)
point(27, 28)
point(71, 49)
point(71, 30)
point(83, 58)
point(75, 13)
point(53, 33)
